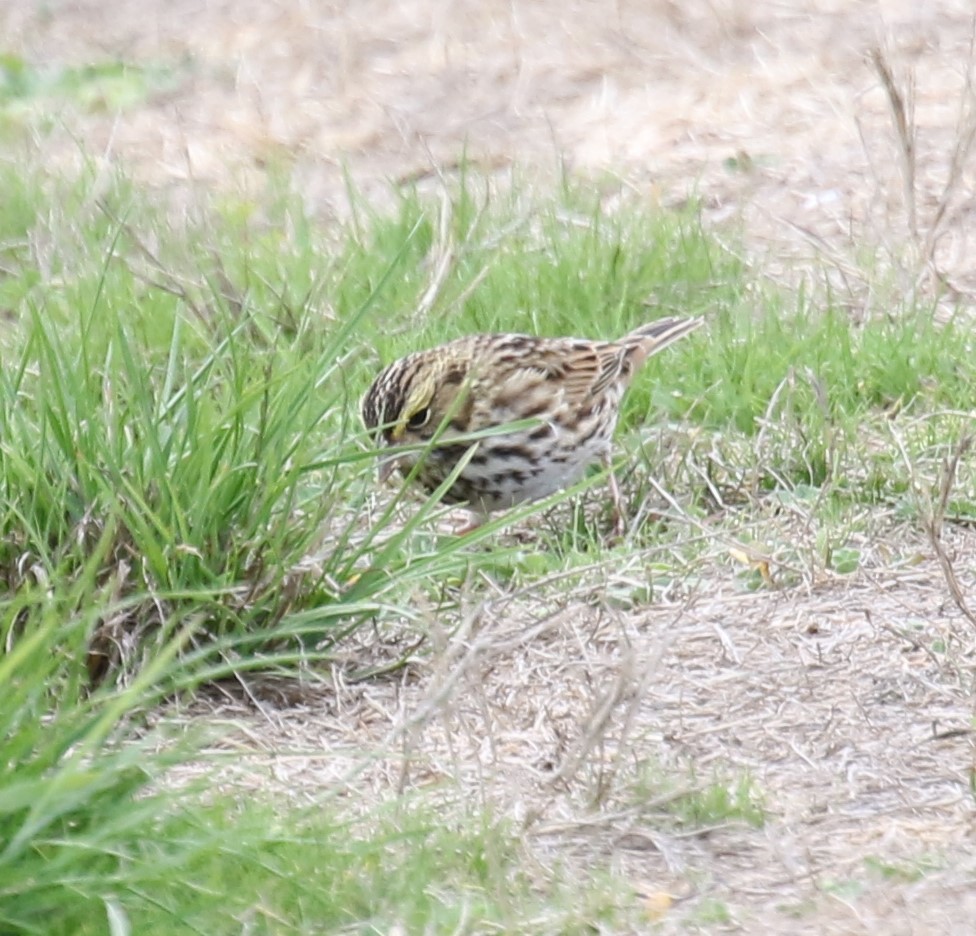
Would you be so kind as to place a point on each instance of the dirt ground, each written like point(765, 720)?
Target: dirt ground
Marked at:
point(858, 736)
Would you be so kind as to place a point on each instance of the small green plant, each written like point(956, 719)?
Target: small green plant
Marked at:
point(900, 871)
point(848, 889)
point(97, 86)
point(719, 802)
point(845, 560)
point(709, 911)
point(700, 804)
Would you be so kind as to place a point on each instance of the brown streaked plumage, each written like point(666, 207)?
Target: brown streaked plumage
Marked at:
point(571, 387)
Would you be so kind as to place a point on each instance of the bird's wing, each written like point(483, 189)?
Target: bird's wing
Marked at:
point(582, 369)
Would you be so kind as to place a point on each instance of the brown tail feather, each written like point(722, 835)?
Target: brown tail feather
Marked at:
point(655, 336)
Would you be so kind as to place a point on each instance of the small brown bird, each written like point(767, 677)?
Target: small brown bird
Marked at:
point(568, 389)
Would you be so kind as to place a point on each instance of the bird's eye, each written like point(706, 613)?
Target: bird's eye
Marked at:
point(419, 419)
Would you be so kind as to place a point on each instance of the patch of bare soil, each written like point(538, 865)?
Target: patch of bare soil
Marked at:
point(857, 732)
point(578, 722)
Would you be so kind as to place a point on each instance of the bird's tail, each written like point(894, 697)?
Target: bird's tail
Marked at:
point(642, 342)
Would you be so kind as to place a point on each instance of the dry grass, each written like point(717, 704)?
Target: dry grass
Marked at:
point(855, 730)
point(773, 112)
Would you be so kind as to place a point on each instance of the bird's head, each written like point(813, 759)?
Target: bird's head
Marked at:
point(410, 400)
